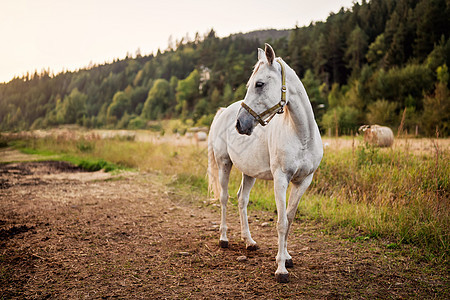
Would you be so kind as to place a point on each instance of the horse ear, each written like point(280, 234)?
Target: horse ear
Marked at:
point(270, 54)
point(261, 54)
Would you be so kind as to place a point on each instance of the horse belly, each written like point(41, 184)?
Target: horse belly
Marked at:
point(259, 171)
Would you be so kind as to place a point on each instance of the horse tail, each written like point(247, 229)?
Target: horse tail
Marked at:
point(213, 168)
point(213, 174)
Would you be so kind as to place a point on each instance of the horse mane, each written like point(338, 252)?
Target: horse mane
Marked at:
point(255, 69)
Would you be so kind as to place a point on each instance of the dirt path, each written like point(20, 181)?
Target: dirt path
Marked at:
point(65, 234)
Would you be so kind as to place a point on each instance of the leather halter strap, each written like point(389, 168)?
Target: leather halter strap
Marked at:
point(267, 115)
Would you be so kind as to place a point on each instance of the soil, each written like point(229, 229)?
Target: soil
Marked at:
point(68, 234)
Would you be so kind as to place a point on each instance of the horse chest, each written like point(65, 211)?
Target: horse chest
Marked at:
point(250, 155)
point(253, 162)
point(296, 165)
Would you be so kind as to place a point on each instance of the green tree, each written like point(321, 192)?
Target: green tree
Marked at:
point(320, 58)
point(136, 123)
point(16, 118)
point(240, 92)
point(395, 55)
point(382, 112)
point(131, 70)
point(436, 113)
point(377, 51)
point(313, 88)
point(440, 54)
point(187, 93)
point(353, 97)
point(201, 109)
point(72, 108)
point(173, 87)
point(356, 48)
point(341, 119)
point(158, 101)
point(335, 96)
point(315, 92)
point(399, 83)
point(227, 95)
point(432, 22)
point(216, 99)
point(119, 105)
point(124, 121)
point(138, 96)
point(336, 50)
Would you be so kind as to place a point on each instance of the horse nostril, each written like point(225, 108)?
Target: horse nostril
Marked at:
point(238, 125)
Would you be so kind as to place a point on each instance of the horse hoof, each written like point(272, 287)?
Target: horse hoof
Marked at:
point(282, 278)
point(289, 263)
point(252, 247)
point(223, 244)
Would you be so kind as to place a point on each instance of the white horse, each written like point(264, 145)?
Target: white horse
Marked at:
point(288, 149)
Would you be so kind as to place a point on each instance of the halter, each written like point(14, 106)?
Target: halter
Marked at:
point(276, 109)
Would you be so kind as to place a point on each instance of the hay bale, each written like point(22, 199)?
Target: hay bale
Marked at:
point(200, 136)
point(378, 136)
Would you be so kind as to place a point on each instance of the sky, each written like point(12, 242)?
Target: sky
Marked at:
point(68, 35)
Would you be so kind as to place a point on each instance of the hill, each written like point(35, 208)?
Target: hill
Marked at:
point(265, 35)
point(381, 61)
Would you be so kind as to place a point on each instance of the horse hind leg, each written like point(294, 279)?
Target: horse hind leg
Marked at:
point(224, 176)
point(243, 198)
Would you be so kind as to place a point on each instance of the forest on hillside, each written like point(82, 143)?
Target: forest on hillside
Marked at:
point(380, 62)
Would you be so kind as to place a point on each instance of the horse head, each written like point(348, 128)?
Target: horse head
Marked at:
point(264, 88)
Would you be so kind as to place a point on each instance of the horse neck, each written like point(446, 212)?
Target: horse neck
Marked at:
point(299, 112)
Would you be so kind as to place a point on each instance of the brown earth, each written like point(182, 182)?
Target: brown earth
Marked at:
point(68, 234)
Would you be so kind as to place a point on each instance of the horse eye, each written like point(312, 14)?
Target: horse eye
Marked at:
point(259, 84)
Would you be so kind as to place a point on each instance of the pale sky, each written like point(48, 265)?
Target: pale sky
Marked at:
point(69, 35)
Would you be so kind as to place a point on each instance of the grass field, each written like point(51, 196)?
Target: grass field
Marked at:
point(400, 195)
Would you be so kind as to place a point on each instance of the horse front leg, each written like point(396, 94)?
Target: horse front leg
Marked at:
point(243, 198)
point(280, 187)
point(224, 176)
point(297, 192)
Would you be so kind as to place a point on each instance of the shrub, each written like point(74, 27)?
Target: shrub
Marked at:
point(85, 146)
point(205, 120)
point(345, 119)
point(136, 123)
point(96, 165)
point(382, 112)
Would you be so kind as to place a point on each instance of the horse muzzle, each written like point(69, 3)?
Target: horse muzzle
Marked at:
point(245, 122)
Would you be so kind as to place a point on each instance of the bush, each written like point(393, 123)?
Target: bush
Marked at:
point(3, 141)
point(436, 113)
point(158, 100)
point(85, 146)
point(205, 120)
point(154, 126)
point(124, 121)
point(344, 118)
point(382, 112)
point(136, 123)
point(119, 105)
point(398, 83)
point(96, 165)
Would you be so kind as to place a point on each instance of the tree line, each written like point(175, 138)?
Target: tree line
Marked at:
point(381, 61)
